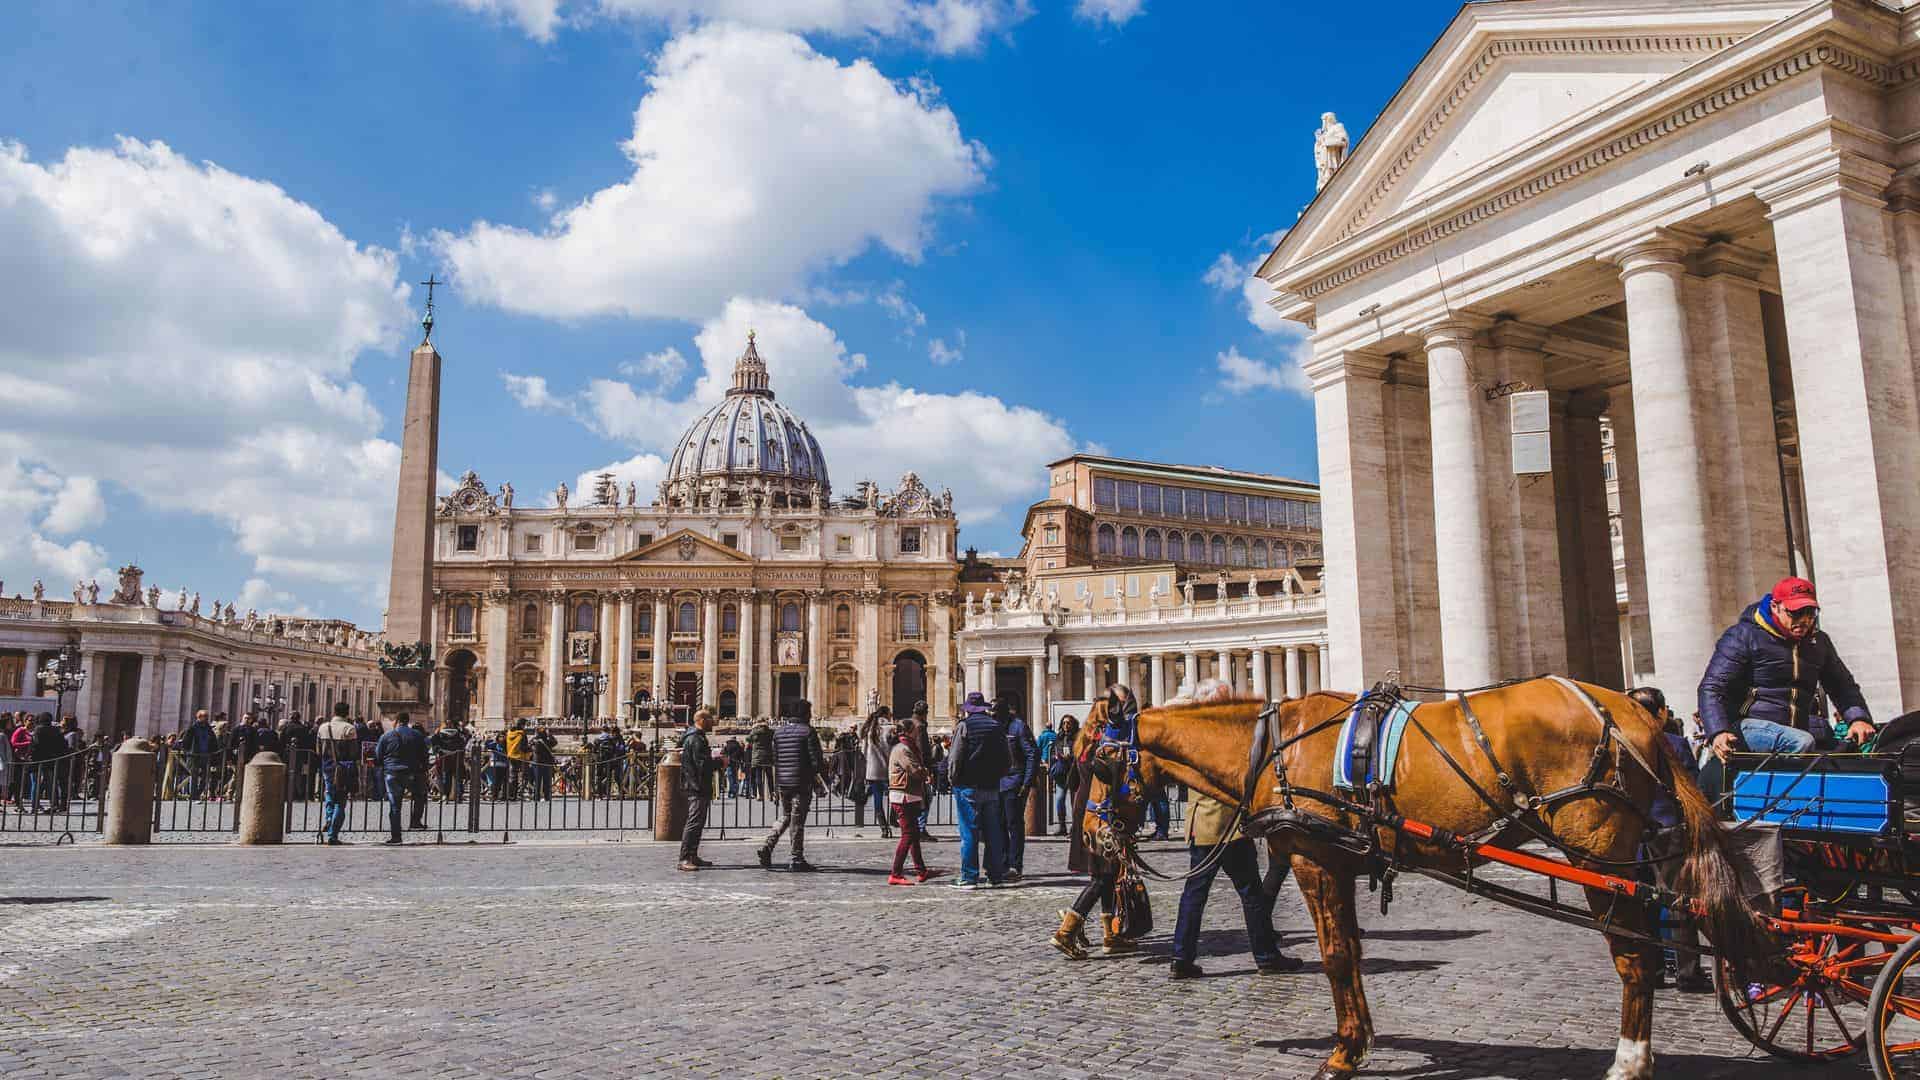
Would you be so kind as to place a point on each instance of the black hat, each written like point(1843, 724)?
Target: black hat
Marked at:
point(919, 708)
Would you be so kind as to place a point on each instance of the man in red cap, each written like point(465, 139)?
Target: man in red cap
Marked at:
point(1760, 686)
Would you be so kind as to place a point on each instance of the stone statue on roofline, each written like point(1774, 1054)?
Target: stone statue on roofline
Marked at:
point(39, 591)
point(1329, 148)
point(506, 494)
point(560, 495)
point(194, 608)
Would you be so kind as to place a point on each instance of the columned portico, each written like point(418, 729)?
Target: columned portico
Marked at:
point(1469, 649)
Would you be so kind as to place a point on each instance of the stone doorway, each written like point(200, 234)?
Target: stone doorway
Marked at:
point(684, 689)
point(909, 682)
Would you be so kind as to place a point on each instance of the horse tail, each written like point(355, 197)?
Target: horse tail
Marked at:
point(1708, 875)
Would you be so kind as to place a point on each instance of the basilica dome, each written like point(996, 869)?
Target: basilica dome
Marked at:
point(748, 450)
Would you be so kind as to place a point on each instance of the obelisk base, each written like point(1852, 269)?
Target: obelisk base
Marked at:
point(408, 690)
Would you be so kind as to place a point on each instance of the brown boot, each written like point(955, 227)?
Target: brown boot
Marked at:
point(1113, 942)
point(1071, 937)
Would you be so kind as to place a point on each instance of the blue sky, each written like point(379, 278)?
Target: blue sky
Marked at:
point(973, 235)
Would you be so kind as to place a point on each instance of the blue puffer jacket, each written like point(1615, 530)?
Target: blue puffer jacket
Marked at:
point(1758, 673)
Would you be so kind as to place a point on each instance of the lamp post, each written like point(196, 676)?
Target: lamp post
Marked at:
point(65, 674)
point(584, 682)
point(267, 702)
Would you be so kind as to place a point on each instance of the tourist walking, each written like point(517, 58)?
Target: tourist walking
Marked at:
point(907, 779)
point(337, 748)
point(49, 752)
point(931, 759)
point(976, 766)
point(760, 760)
point(874, 737)
point(1024, 767)
point(1060, 772)
point(696, 779)
point(799, 768)
point(401, 755)
point(1211, 848)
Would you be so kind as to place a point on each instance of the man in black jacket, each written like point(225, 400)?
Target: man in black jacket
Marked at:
point(49, 749)
point(798, 766)
point(978, 763)
point(696, 779)
point(401, 755)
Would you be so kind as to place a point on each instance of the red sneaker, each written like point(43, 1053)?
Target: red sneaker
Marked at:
point(928, 875)
point(896, 879)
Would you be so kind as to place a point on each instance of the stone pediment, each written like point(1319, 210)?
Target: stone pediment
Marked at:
point(684, 546)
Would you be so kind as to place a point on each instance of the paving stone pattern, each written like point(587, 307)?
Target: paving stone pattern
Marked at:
point(597, 959)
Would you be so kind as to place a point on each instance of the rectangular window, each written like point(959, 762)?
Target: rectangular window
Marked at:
point(910, 541)
point(1129, 496)
point(1237, 509)
point(585, 541)
point(1106, 586)
point(843, 545)
point(1103, 493)
point(643, 654)
point(729, 655)
point(643, 619)
point(533, 544)
point(790, 542)
point(1133, 584)
point(643, 540)
point(1196, 504)
point(1053, 534)
point(1150, 498)
point(1313, 516)
point(469, 538)
point(732, 540)
point(1216, 506)
point(1257, 509)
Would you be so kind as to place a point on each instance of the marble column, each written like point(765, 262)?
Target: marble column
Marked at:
point(1189, 672)
point(1457, 411)
point(1257, 665)
point(555, 703)
point(1090, 677)
point(662, 642)
point(147, 695)
point(1668, 405)
point(1295, 686)
point(1642, 662)
point(1123, 670)
point(1589, 603)
point(743, 650)
point(1157, 677)
point(767, 704)
point(173, 673)
point(940, 703)
point(30, 678)
point(817, 653)
point(1854, 367)
point(1523, 523)
point(1223, 667)
point(623, 663)
point(710, 650)
point(1036, 692)
point(1349, 423)
point(493, 706)
point(609, 646)
point(1323, 673)
point(867, 649)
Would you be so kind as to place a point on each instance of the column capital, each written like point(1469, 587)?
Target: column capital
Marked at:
point(1661, 249)
point(1458, 328)
point(1338, 367)
point(1837, 175)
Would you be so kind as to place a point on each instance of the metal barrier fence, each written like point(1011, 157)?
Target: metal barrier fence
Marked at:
point(57, 797)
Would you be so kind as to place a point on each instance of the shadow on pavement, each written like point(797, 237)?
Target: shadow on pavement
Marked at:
point(1449, 1060)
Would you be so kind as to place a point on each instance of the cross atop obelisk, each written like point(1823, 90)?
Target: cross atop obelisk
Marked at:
point(408, 661)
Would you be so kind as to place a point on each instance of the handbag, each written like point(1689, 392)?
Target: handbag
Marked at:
point(1133, 906)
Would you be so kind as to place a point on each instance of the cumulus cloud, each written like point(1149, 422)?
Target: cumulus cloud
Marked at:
point(644, 471)
point(195, 331)
point(1240, 375)
point(1115, 12)
point(977, 444)
point(665, 367)
point(1232, 273)
point(78, 560)
point(531, 391)
point(943, 26)
point(758, 162)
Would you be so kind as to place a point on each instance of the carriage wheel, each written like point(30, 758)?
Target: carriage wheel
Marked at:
point(1822, 1015)
point(1894, 1047)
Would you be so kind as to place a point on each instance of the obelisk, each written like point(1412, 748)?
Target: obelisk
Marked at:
point(408, 660)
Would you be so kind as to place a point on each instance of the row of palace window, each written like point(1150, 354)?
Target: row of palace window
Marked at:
point(1132, 543)
point(686, 619)
point(1195, 504)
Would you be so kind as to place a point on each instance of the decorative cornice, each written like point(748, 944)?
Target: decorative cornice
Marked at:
point(1811, 58)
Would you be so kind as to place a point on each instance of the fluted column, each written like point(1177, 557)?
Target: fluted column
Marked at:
point(1469, 645)
point(623, 666)
point(1157, 676)
point(662, 636)
point(743, 649)
point(556, 654)
point(710, 649)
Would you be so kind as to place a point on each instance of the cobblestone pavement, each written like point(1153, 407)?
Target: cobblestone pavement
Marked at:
point(598, 959)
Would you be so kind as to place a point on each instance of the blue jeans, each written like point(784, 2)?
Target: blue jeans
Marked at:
point(1013, 811)
point(1060, 795)
point(1243, 869)
point(334, 809)
point(877, 791)
point(1162, 809)
point(397, 784)
point(1767, 737)
point(977, 812)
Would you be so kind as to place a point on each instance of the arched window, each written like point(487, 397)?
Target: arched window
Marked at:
point(528, 687)
point(1299, 553)
point(729, 619)
point(1217, 551)
point(1196, 547)
point(910, 621)
point(463, 619)
point(583, 616)
point(1237, 554)
point(686, 619)
point(530, 620)
point(1176, 547)
point(790, 616)
point(729, 703)
point(1259, 554)
point(1152, 546)
point(1130, 542)
point(1104, 540)
point(843, 621)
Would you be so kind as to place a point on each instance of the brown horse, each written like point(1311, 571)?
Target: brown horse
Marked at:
point(1546, 737)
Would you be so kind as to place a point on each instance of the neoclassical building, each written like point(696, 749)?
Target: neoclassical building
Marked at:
point(148, 666)
point(745, 584)
point(1698, 222)
point(1152, 575)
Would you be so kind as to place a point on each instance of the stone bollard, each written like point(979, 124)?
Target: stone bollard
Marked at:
point(130, 794)
point(263, 800)
point(669, 799)
point(1037, 798)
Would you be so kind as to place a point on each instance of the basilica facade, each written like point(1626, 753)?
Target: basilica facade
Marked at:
point(744, 584)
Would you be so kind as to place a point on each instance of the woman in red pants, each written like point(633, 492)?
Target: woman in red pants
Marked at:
point(907, 778)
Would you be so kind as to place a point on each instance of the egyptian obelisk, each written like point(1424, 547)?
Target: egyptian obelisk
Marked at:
point(408, 659)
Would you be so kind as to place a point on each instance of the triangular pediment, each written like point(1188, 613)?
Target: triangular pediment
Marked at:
point(1502, 81)
point(684, 546)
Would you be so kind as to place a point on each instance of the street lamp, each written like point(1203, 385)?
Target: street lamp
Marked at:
point(267, 702)
point(585, 682)
point(65, 674)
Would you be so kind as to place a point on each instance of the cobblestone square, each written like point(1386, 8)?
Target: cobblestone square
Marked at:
point(598, 959)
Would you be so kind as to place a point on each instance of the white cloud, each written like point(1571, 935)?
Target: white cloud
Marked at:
point(1240, 374)
point(894, 302)
point(194, 332)
point(665, 368)
point(1116, 12)
point(1232, 271)
point(531, 391)
point(78, 506)
point(977, 444)
point(644, 471)
point(758, 162)
point(943, 354)
point(78, 560)
point(260, 595)
point(943, 26)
